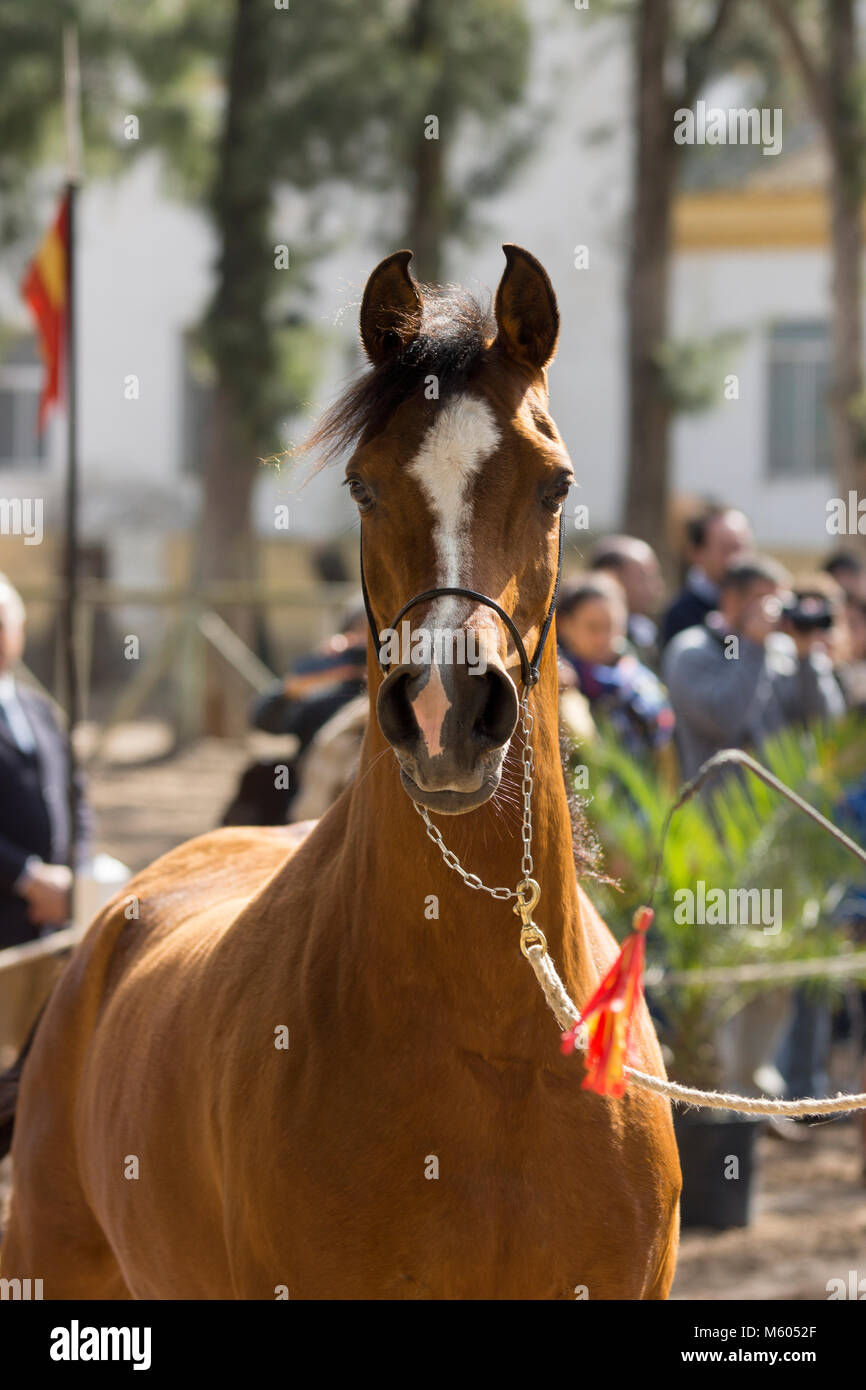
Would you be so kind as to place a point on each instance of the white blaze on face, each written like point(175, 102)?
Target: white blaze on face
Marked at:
point(451, 455)
point(429, 709)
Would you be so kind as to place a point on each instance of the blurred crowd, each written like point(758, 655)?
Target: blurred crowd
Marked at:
point(741, 650)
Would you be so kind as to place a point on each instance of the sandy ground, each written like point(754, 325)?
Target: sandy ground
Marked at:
point(143, 810)
point(809, 1225)
point(810, 1218)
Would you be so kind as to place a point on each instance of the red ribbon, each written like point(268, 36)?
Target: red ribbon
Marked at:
point(610, 1011)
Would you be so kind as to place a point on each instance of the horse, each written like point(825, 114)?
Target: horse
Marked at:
point(311, 1061)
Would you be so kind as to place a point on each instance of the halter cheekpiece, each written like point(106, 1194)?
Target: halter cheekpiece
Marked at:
point(529, 670)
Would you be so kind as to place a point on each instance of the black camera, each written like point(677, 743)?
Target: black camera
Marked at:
point(809, 612)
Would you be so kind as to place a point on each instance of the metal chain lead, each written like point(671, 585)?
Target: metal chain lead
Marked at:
point(472, 880)
point(528, 723)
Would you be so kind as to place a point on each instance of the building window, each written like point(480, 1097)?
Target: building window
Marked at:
point(798, 419)
point(21, 380)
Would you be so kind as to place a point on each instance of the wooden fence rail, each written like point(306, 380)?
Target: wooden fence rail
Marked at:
point(199, 646)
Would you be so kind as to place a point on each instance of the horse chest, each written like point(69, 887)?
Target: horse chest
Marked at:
point(459, 1177)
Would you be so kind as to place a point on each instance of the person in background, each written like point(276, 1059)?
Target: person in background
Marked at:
point(851, 674)
point(331, 761)
point(845, 572)
point(315, 690)
point(318, 684)
point(35, 837)
point(714, 539)
point(635, 564)
point(813, 616)
point(851, 670)
point(734, 679)
point(849, 572)
point(594, 656)
point(759, 664)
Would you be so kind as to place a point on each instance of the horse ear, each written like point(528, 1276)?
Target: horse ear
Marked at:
point(391, 308)
point(527, 318)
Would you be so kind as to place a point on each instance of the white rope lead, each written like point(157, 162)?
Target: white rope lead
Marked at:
point(534, 946)
point(566, 1014)
point(851, 964)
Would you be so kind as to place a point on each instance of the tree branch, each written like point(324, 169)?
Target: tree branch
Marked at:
point(700, 52)
point(815, 80)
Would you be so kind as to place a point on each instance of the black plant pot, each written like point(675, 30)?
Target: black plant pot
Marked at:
point(708, 1140)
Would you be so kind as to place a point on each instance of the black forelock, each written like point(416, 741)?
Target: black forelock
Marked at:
point(455, 331)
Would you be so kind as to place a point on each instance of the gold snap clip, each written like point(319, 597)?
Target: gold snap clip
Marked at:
point(528, 893)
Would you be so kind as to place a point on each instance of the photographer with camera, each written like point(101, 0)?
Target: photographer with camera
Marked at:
point(762, 662)
point(759, 663)
point(812, 616)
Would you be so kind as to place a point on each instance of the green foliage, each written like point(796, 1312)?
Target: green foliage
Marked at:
point(466, 64)
point(158, 61)
point(693, 369)
point(742, 836)
point(244, 101)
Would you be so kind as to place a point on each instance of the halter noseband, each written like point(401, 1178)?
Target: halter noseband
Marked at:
point(528, 669)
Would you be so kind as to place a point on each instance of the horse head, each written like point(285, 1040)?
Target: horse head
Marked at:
point(460, 476)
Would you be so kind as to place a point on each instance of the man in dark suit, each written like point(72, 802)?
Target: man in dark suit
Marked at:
point(34, 807)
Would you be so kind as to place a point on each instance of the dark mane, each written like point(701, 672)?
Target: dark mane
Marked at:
point(588, 854)
point(455, 331)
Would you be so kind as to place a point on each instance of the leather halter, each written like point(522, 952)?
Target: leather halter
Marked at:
point(528, 669)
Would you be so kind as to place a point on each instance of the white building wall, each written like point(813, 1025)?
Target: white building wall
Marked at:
point(144, 278)
point(723, 452)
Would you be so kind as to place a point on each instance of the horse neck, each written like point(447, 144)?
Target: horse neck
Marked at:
point(400, 881)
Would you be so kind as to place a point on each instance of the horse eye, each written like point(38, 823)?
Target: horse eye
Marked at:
point(542, 423)
point(360, 493)
point(557, 493)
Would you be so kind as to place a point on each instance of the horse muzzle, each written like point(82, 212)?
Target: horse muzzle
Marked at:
point(449, 727)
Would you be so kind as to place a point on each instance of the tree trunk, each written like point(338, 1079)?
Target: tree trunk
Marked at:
point(646, 499)
point(241, 341)
point(425, 224)
point(239, 334)
point(844, 137)
point(226, 541)
point(426, 217)
point(847, 381)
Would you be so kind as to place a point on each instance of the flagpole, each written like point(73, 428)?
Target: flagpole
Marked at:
point(72, 104)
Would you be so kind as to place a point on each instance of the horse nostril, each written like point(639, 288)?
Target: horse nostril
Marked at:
point(497, 718)
point(394, 710)
point(481, 711)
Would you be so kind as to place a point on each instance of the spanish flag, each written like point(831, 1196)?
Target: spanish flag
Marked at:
point(45, 288)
